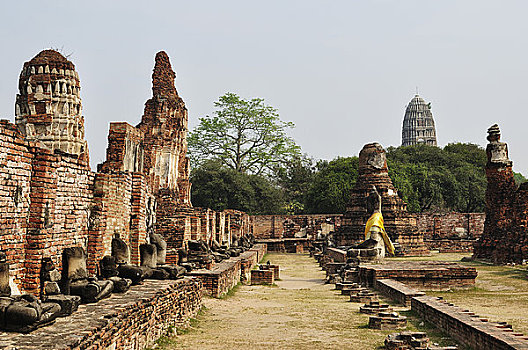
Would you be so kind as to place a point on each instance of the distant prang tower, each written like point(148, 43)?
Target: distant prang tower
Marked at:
point(418, 124)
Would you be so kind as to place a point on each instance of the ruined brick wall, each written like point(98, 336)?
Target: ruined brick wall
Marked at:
point(239, 223)
point(141, 202)
point(465, 327)
point(505, 236)
point(450, 225)
point(450, 232)
point(71, 208)
point(164, 124)
point(172, 222)
point(15, 182)
point(132, 320)
point(47, 201)
point(119, 209)
point(291, 226)
point(51, 200)
point(61, 200)
point(125, 149)
point(110, 215)
point(262, 277)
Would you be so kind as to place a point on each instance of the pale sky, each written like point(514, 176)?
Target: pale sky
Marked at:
point(342, 71)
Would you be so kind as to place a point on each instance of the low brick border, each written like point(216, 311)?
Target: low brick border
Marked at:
point(133, 320)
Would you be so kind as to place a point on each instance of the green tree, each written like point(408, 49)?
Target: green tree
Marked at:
point(217, 187)
point(295, 178)
point(244, 135)
point(519, 178)
point(432, 178)
point(330, 191)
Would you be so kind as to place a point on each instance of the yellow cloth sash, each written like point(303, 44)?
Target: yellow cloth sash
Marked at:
point(377, 220)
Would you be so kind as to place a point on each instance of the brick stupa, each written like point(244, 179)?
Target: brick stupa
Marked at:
point(48, 106)
point(399, 224)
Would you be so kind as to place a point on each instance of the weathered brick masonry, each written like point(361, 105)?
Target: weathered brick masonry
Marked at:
point(400, 225)
point(51, 200)
point(450, 232)
point(45, 204)
point(464, 326)
point(445, 232)
point(124, 321)
point(225, 275)
point(291, 226)
point(505, 237)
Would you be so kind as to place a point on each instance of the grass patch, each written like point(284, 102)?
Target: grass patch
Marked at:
point(169, 340)
point(415, 323)
point(264, 258)
point(230, 292)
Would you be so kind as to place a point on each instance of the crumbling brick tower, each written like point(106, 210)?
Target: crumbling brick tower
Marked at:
point(165, 164)
point(48, 107)
point(399, 224)
point(505, 237)
point(164, 124)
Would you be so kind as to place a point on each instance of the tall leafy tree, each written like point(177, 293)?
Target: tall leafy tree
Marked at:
point(432, 178)
point(330, 190)
point(295, 178)
point(244, 135)
point(219, 188)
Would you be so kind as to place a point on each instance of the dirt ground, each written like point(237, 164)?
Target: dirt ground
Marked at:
point(300, 312)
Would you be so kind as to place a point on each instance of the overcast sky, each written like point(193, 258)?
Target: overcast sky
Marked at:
point(342, 71)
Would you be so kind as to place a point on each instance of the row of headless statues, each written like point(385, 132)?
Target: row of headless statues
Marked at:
point(62, 292)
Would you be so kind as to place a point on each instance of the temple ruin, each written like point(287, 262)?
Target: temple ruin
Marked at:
point(72, 235)
point(418, 124)
point(48, 106)
point(505, 236)
point(400, 225)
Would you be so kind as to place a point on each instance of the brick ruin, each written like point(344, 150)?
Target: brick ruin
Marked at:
point(292, 233)
point(48, 106)
point(51, 199)
point(400, 225)
point(450, 232)
point(505, 236)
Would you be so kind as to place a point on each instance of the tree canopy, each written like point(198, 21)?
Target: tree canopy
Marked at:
point(295, 178)
point(332, 183)
point(244, 135)
point(432, 178)
point(217, 187)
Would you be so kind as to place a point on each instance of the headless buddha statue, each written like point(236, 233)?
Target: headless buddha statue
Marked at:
point(375, 235)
